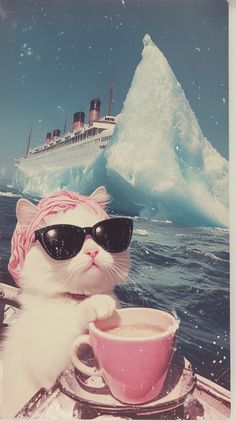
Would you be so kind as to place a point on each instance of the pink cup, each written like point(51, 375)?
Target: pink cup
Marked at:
point(133, 368)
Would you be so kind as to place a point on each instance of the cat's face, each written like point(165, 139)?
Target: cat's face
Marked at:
point(93, 270)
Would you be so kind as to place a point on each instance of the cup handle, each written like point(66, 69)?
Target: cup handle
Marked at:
point(89, 371)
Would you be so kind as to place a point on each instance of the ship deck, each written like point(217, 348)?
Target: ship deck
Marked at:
point(71, 149)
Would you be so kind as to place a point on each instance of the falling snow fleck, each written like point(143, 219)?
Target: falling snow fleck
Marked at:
point(26, 50)
point(3, 14)
point(27, 28)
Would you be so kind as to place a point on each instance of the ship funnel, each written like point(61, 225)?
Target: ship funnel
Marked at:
point(78, 120)
point(48, 137)
point(56, 134)
point(94, 110)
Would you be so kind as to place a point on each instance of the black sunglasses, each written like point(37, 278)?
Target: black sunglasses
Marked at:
point(64, 241)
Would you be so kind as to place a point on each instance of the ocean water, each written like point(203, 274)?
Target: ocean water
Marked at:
point(184, 270)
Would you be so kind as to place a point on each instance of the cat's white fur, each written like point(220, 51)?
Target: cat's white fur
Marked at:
point(37, 346)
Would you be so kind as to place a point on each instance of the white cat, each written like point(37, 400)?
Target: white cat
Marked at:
point(37, 346)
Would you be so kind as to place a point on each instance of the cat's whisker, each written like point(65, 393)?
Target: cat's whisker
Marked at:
point(124, 267)
point(118, 272)
point(111, 272)
point(121, 263)
point(126, 291)
point(138, 288)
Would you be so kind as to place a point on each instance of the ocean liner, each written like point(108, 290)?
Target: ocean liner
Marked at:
point(75, 147)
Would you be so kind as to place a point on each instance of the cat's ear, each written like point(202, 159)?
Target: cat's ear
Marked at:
point(101, 196)
point(25, 212)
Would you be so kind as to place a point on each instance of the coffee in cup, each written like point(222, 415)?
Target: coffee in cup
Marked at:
point(133, 356)
point(135, 330)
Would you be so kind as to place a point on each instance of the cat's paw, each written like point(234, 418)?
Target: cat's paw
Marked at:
point(100, 307)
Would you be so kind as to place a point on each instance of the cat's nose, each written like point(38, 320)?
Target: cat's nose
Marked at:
point(92, 253)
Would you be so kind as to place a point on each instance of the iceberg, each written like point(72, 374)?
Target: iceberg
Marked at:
point(158, 164)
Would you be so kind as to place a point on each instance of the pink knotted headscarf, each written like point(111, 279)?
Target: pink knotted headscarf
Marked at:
point(23, 236)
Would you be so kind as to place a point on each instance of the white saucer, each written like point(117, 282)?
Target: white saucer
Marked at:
point(94, 392)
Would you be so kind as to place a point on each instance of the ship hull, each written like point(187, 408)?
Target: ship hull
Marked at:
point(64, 156)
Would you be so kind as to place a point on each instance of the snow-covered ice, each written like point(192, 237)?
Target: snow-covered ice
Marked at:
point(158, 163)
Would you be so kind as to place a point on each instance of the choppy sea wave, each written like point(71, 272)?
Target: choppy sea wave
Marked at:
point(9, 194)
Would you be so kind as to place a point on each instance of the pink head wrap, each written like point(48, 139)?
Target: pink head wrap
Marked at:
point(23, 236)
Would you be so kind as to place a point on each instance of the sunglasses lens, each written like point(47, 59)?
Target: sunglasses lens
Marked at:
point(63, 242)
point(114, 234)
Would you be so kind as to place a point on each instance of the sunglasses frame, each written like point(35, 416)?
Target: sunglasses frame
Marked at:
point(39, 235)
